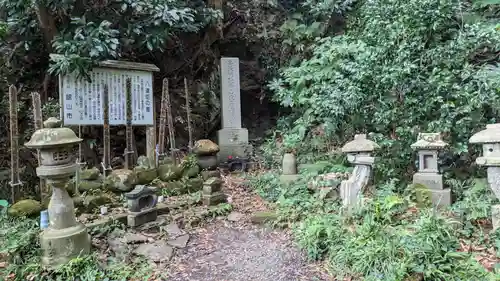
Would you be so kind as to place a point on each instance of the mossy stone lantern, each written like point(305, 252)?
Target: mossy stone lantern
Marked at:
point(427, 180)
point(490, 139)
point(65, 238)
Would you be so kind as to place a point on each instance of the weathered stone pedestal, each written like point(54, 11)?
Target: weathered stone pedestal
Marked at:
point(65, 238)
point(427, 179)
point(141, 203)
point(289, 169)
point(233, 142)
point(358, 153)
point(212, 193)
point(490, 139)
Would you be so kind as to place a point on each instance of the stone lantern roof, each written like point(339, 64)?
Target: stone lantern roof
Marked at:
point(359, 144)
point(52, 135)
point(490, 135)
point(429, 141)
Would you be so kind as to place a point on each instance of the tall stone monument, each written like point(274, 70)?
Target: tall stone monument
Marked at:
point(490, 139)
point(428, 146)
point(232, 138)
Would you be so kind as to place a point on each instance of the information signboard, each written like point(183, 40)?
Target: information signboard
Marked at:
point(82, 100)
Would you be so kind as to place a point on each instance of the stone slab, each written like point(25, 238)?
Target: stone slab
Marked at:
point(430, 180)
point(230, 91)
point(158, 251)
point(179, 242)
point(140, 218)
point(441, 198)
point(232, 136)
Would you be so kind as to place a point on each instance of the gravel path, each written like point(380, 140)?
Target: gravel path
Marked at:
point(227, 252)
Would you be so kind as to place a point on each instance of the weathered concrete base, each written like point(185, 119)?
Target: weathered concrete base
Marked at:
point(233, 142)
point(495, 216)
point(214, 199)
point(431, 180)
point(61, 245)
point(441, 198)
point(286, 179)
point(140, 218)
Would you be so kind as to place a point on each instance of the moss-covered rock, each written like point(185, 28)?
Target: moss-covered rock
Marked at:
point(27, 207)
point(90, 174)
point(121, 180)
point(263, 217)
point(145, 175)
point(205, 147)
point(175, 187)
point(94, 202)
point(88, 185)
point(170, 172)
point(191, 172)
point(194, 185)
point(145, 162)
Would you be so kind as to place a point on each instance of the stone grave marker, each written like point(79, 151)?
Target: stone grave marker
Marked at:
point(232, 138)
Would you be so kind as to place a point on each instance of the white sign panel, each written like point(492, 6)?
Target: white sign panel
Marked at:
point(82, 101)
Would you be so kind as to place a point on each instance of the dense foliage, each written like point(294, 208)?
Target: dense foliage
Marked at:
point(88, 31)
point(387, 237)
point(400, 68)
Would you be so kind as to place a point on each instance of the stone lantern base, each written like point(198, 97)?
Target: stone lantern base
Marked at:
point(433, 182)
point(495, 216)
point(61, 245)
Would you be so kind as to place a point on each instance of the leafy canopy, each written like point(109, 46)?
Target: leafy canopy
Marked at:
point(401, 67)
point(88, 31)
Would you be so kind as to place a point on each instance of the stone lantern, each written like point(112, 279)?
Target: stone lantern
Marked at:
point(358, 153)
point(65, 238)
point(490, 139)
point(428, 145)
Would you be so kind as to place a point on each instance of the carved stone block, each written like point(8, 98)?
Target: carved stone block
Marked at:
point(431, 180)
point(141, 198)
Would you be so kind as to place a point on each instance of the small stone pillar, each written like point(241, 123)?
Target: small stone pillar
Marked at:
point(358, 153)
point(490, 139)
point(212, 193)
point(141, 204)
point(65, 238)
point(289, 169)
point(428, 146)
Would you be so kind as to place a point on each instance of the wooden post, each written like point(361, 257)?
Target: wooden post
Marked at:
point(129, 130)
point(188, 113)
point(106, 159)
point(38, 118)
point(163, 119)
point(15, 182)
point(170, 121)
point(151, 141)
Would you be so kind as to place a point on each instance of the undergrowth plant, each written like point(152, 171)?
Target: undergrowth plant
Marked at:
point(19, 245)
